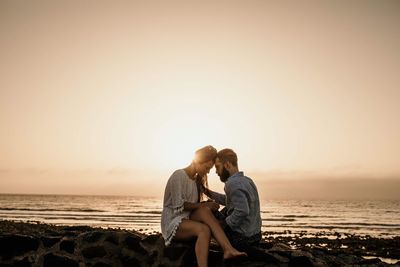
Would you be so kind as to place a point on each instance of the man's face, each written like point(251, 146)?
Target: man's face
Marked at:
point(222, 172)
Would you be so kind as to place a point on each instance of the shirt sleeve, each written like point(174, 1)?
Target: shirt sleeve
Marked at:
point(219, 198)
point(176, 189)
point(240, 206)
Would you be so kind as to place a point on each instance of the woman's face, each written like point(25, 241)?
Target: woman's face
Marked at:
point(204, 168)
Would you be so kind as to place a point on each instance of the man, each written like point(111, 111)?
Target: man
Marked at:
point(241, 216)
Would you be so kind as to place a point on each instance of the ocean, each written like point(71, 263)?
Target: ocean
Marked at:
point(279, 217)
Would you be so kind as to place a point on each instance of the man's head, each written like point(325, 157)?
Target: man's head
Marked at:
point(226, 164)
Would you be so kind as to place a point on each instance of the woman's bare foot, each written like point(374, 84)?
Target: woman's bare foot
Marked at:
point(232, 254)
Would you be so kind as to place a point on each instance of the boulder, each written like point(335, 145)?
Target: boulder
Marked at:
point(67, 245)
point(94, 252)
point(92, 237)
point(49, 241)
point(300, 261)
point(15, 245)
point(52, 260)
point(132, 242)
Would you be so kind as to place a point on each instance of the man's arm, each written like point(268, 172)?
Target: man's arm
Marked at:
point(240, 207)
point(217, 197)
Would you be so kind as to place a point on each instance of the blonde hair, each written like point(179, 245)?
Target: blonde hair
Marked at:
point(205, 154)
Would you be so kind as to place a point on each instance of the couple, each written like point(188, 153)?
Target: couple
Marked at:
point(185, 216)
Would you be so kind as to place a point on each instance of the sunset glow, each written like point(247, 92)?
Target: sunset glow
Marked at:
point(300, 90)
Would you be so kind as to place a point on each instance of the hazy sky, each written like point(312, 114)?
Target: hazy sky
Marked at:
point(295, 87)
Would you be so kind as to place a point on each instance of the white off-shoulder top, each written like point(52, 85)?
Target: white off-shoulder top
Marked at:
point(180, 188)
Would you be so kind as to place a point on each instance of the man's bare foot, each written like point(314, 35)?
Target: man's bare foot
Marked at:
point(233, 254)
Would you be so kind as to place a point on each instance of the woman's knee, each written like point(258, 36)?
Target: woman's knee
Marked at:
point(202, 214)
point(204, 230)
point(204, 210)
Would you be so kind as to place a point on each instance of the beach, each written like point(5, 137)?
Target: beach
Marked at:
point(38, 244)
point(53, 230)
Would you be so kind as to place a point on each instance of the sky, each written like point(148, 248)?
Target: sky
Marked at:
point(110, 97)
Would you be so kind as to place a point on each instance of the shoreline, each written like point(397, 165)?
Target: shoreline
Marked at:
point(40, 244)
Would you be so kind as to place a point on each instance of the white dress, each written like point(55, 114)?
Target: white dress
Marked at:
point(180, 188)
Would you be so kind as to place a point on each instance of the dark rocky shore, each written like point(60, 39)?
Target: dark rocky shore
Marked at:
point(30, 244)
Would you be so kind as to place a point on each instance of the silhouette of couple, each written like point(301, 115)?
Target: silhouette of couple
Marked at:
point(185, 216)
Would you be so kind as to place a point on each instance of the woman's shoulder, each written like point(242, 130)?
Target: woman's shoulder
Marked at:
point(178, 174)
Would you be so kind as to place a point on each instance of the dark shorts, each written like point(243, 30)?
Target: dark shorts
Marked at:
point(238, 240)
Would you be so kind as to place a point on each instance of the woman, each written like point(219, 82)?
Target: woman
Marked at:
point(185, 217)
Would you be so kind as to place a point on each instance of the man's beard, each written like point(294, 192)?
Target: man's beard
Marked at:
point(224, 175)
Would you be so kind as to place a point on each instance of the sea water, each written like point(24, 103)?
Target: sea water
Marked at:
point(377, 218)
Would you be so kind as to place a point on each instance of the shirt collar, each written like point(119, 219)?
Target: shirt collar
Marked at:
point(237, 174)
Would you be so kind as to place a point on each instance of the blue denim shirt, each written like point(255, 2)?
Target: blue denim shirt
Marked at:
point(242, 204)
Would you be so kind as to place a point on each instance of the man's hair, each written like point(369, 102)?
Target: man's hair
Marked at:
point(228, 155)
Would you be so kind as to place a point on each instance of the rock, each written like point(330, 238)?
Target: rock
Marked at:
point(347, 258)
point(300, 261)
point(175, 251)
point(67, 245)
point(112, 238)
point(78, 228)
point(52, 260)
point(260, 255)
point(281, 249)
point(102, 264)
point(50, 241)
point(151, 239)
point(130, 262)
point(71, 234)
point(25, 262)
point(15, 245)
point(92, 237)
point(132, 242)
point(215, 258)
point(298, 253)
point(189, 257)
point(94, 252)
point(106, 248)
point(265, 245)
point(369, 261)
point(152, 258)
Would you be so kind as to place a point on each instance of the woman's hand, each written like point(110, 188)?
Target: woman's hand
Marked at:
point(214, 206)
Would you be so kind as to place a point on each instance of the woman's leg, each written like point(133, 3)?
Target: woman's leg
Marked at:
point(187, 230)
point(204, 215)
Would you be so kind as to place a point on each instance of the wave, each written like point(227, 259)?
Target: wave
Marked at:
point(78, 215)
point(370, 224)
point(278, 220)
point(331, 227)
point(47, 209)
point(307, 216)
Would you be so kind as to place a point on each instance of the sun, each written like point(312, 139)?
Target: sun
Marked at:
point(178, 137)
